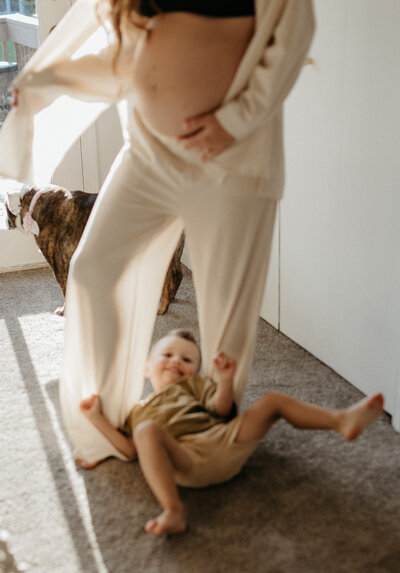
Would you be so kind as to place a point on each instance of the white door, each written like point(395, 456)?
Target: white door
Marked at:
point(340, 236)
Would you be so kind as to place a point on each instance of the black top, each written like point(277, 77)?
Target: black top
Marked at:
point(217, 8)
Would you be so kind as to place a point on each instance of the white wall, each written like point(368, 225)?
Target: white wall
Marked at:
point(18, 251)
point(340, 237)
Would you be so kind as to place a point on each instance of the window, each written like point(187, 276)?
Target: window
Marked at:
point(25, 7)
point(18, 41)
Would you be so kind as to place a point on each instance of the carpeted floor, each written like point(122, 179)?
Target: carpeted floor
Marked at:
point(307, 502)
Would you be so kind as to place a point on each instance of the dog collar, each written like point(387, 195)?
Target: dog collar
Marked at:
point(29, 224)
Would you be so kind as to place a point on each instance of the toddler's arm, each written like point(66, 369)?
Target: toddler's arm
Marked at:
point(92, 409)
point(223, 400)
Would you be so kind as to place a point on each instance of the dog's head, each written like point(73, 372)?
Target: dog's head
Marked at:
point(19, 203)
point(13, 193)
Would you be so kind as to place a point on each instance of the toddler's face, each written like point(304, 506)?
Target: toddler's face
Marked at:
point(171, 359)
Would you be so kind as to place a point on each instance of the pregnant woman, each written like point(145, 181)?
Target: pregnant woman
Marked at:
point(202, 85)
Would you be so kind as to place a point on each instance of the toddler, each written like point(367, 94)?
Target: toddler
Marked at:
point(188, 432)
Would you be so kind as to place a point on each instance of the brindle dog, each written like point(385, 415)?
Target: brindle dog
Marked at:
point(62, 216)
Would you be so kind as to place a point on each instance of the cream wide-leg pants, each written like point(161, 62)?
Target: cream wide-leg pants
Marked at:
point(151, 195)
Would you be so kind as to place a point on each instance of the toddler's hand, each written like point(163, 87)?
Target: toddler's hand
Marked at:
point(225, 365)
point(91, 407)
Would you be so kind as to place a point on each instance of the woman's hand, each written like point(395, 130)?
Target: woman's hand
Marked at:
point(91, 407)
point(14, 96)
point(206, 136)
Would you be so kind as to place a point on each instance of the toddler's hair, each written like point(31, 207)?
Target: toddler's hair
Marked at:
point(183, 333)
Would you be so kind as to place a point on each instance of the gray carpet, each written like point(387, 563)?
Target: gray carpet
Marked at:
point(306, 502)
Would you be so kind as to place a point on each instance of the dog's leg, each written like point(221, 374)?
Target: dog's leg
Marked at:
point(173, 278)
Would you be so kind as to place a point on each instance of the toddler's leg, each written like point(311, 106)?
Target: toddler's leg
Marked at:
point(86, 465)
point(350, 422)
point(161, 457)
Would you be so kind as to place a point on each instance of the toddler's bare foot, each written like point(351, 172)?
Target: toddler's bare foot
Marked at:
point(169, 521)
point(86, 465)
point(355, 419)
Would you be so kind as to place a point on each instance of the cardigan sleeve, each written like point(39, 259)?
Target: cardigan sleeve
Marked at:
point(274, 75)
point(62, 90)
point(55, 106)
point(86, 76)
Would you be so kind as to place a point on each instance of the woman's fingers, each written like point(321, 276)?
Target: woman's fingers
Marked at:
point(14, 95)
point(206, 136)
point(196, 140)
point(195, 123)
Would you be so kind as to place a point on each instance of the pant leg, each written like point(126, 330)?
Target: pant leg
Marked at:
point(229, 232)
point(113, 292)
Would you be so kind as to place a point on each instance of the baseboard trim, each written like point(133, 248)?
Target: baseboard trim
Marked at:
point(23, 267)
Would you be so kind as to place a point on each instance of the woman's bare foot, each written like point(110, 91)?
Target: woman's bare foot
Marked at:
point(355, 419)
point(86, 465)
point(169, 521)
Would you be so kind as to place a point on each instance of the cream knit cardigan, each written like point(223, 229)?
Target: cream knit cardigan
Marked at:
point(69, 82)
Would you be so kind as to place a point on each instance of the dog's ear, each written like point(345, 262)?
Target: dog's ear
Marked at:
point(14, 199)
point(13, 192)
point(10, 187)
point(11, 219)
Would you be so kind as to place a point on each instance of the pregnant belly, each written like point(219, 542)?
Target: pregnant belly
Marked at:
point(184, 66)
